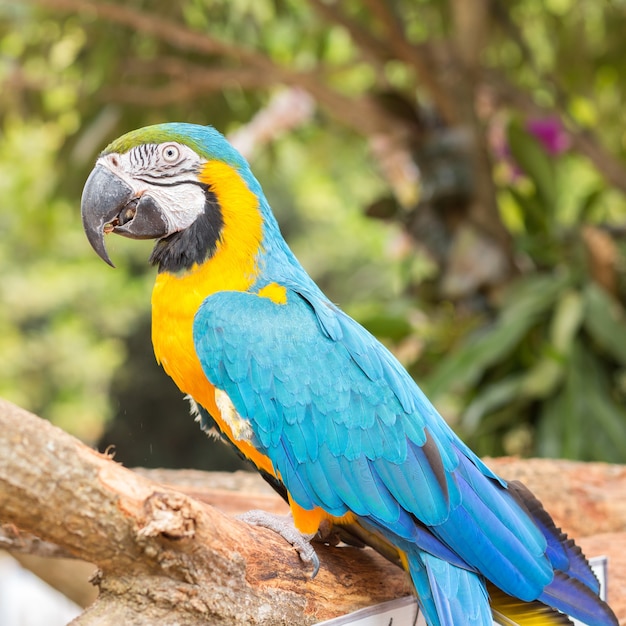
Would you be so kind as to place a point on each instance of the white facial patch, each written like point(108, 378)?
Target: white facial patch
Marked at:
point(168, 173)
point(181, 205)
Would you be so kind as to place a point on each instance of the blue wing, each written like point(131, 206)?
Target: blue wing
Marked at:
point(349, 430)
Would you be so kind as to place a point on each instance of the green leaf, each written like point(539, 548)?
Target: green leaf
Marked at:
point(533, 159)
point(588, 203)
point(605, 321)
point(535, 217)
point(567, 320)
point(550, 428)
point(524, 304)
point(492, 398)
point(584, 418)
point(546, 375)
point(394, 327)
point(532, 295)
point(543, 378)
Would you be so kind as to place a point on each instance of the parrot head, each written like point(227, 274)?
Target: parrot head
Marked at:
point(152, 184)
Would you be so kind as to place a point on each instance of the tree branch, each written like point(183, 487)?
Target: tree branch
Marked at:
point(167, 556)
point(361, 114)
point(175, 35)
point(184, 81)
point(14, 540)
point(395, 45)
point(584, 499)
point(164, 555)
point(371, 47)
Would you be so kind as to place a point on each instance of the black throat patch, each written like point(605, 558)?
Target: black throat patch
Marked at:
point(180, 251)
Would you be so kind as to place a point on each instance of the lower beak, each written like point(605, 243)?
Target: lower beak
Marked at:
point(109, 204)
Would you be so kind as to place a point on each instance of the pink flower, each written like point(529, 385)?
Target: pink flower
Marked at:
point(550, 133)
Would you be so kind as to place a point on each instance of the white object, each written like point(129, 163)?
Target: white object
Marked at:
point(25, 600)
point(402, 612)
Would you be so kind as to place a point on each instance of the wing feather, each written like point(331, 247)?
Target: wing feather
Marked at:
point(348, 429)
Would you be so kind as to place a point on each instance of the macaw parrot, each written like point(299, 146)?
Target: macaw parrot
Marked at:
point(313, 400)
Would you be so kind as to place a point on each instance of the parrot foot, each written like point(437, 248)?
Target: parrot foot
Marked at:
point(283, 525)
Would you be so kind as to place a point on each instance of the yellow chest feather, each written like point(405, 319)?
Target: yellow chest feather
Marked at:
point(177, 297)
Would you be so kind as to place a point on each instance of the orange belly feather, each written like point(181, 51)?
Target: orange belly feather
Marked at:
point(174, 349)
point(177, 297)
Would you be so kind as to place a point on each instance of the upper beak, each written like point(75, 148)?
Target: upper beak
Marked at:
point(109, 204)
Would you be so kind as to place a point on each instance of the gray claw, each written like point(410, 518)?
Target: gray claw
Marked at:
point(283, 525)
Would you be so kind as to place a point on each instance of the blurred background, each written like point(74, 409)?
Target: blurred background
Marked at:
point(451, 173)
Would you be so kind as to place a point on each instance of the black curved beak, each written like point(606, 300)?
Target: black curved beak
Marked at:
point(109, 204)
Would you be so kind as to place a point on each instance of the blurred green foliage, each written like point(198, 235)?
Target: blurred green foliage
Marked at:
point(534, 363)
point(65, 319)
point(546, 373)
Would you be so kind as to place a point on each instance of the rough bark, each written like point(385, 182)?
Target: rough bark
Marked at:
point(169, 551)
point(163, 556)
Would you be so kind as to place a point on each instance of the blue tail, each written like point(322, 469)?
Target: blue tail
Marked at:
point(563, 553)
point(574, 589)
point(448, 595)
point(455, 592)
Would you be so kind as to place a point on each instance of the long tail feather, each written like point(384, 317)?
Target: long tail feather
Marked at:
point(448, 595)
point(510, 611)
point(569, 595)
point(562, 552)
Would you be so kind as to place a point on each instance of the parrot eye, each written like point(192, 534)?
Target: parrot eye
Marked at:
point(170, 152)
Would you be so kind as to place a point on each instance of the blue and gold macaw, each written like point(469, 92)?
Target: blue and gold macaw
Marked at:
point(313, 400)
